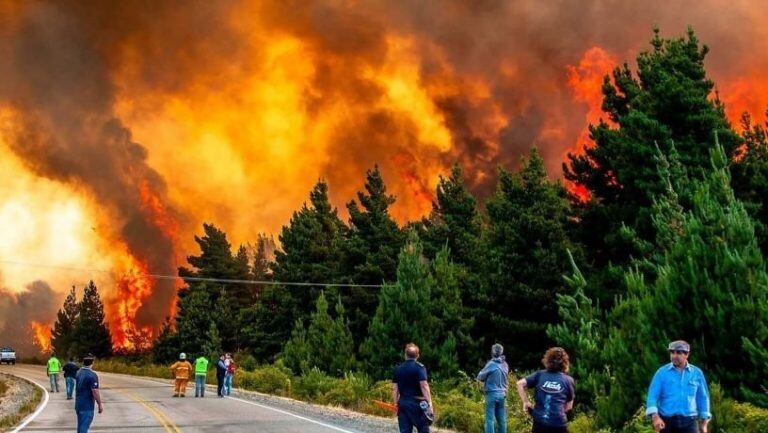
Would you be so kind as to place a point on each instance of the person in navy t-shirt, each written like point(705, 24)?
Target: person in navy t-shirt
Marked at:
point(86, 394)
point(555, 392)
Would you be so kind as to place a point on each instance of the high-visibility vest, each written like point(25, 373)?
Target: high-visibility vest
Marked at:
point(201, 366)
point(54, 366)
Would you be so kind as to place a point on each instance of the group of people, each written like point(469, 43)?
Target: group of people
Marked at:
point(182, 369)
point(83, 382)
point(677, 401)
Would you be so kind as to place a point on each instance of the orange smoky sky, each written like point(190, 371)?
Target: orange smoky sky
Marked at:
point(126, 125)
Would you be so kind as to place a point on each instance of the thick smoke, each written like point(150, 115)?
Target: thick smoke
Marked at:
point(38, 303)
point(58, 85)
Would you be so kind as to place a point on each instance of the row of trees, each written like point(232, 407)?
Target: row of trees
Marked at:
point(669, 245)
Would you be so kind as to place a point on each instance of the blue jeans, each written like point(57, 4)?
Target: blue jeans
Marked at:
point(84, 419)
point(495, 409)
point(228, 383)
point(54, 378)
point(70, 382)
point(199, 385)
point(410, 416)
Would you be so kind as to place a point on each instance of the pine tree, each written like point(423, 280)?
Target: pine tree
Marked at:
point(61, 335)
point(667, 103)
point(711, 288)
point(311, 251)
point(527, 244)
point(166, 347)
point(456, 224)
point(195, 316)
point(750, 176)
point(326, 345)
point(216, 261)
point(90, 333)
point(372, 245)
point(419, 307)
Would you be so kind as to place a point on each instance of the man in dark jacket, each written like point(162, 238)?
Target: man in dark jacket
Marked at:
point(221, 372)
point(70, 372)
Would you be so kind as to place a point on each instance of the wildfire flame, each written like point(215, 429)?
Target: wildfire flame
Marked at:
point(42, 335)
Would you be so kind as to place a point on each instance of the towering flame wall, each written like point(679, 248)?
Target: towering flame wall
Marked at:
point(125, 125)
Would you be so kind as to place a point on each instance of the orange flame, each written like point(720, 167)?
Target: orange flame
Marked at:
point(585, 81)
point(133, 288)
point(42, 335)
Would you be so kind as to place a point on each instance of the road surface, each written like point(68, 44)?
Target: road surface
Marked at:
point(135, 404)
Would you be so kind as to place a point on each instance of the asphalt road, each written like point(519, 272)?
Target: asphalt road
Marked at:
point(134, 404)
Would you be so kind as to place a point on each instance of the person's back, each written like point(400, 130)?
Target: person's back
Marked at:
point(201, 369)
point(495, 378)
point(553, 391)
point(70, 372)
point(53, 368)
point(554, 395)
point(86, 395)
point(411, 394)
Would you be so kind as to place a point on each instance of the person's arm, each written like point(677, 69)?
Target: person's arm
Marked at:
point(702, 403)
point(521, 385)
point(571, 396)
point(396, 395)
point(483, 375)
point(427, 393)
point(97, 397)
point(652, 402)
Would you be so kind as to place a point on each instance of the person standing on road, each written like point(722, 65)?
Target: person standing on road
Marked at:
point(411, 393)
point(52, 370)
point(201, 370)
point(86, 394)
point(495, 378)
point(181, 370)
point(555, 392)
point(70, 372)
point(679, 394)
point(221, 372)
point(231, 368)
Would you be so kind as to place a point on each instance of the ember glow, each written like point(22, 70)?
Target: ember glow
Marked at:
point(117, 141)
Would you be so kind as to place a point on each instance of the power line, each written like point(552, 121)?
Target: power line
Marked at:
point(198, 279)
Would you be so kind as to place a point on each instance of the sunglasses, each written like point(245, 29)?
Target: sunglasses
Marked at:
point(678, 352)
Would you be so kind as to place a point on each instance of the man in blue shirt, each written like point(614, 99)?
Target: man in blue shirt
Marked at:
point(86, 393)
point(495, 378)
point(409, 390)
point(678, 394)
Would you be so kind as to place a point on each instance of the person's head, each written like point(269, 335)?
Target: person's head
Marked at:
point(411, 351)
point(71, 359)
point(497, 350)
point(556, 360)
point(88, 360)
point(678, 352)
point(183, 356)
point(229, 355)
point(223, 356)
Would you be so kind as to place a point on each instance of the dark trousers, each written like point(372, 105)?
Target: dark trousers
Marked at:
point(220, 384)
point(541, 428)
point(680, 424)
point(410, 416)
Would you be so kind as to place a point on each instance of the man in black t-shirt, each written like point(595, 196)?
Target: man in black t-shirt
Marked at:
point(409, 390)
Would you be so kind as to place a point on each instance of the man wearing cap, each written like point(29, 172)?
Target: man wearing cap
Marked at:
point(678, 396)
point(86, 394)
point(410, 390)
point(181, 370)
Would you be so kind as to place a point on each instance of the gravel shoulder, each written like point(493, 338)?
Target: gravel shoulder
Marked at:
point(19, 393)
